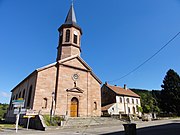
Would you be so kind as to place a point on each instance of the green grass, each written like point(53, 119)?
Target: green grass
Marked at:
point(7, 126)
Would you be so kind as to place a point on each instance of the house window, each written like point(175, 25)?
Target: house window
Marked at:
point(137, 108)
point(127, 100)
point(132, 101)
point(29, 96)
point(95, 106)
point(44, 103)
point(67, 36)
point(137, 101)
point(120, 100)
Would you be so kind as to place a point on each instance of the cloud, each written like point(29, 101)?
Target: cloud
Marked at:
point(5, 94)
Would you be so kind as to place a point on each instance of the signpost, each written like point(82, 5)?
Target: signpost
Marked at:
point(29, 114)
point(22, 111)
point(18, 104)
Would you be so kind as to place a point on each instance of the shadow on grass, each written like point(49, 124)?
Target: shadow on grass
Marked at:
point(167, 129)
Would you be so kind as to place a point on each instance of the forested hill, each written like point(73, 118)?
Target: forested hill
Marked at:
point(150, 99)
point(154, 93)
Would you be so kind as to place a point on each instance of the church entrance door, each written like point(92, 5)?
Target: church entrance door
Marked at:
point(74, 107)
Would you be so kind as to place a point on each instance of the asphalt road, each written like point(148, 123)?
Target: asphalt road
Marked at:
point(160, 127)
point(167, 129)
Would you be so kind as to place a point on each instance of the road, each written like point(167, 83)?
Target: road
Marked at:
point(159, 127)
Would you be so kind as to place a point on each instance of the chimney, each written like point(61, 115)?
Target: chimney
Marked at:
point(105, 83)
point(125, 87)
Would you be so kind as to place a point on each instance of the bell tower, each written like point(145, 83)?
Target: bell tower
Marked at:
point(69, 37)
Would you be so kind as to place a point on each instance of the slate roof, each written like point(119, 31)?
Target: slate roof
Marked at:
point(71, 20)
point(71, 17)
point(120, 91)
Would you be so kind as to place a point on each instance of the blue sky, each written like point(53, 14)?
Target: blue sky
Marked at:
point(118, 35)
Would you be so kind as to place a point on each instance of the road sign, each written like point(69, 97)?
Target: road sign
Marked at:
point(28, 116)
point(31, 112)
point(16, 101)
point(20, 111)
point(19, 105)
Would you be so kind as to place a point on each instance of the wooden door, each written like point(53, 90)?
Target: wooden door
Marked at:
point(74, 107)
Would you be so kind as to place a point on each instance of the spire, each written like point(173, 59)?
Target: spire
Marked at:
point(71, 17)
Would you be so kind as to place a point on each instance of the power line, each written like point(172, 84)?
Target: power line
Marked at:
point(147, 59)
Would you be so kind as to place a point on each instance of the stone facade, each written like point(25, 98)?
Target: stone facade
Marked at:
point(75, 88)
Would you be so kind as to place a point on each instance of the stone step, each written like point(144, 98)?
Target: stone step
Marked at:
point(81, 122)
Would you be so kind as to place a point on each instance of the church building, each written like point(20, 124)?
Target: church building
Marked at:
point(67, 87)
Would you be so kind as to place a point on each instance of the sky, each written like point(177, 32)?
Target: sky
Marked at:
point(118, 35)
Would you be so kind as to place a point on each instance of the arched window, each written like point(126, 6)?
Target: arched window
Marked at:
point(19, 95)
point(67, 36)
point(132, 101)
point(29, 96)
point(95, 106)
point(60, 39)
point(75, 37)
point(137, 101)
point(120, 99)
point(127, 100)
point(44, 103)
point(23, 94)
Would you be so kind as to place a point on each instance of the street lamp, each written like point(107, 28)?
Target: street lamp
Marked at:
point(51, 112)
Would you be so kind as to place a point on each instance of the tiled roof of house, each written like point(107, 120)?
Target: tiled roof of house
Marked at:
point(120, 91)
point(106, 107)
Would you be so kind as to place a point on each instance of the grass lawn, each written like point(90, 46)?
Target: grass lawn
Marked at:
point(7, 126)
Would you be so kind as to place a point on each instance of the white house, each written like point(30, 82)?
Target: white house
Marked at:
point(116, 100)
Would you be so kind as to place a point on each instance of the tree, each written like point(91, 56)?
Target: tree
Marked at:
point(149, 103)
point(170, 94)
point(3, 110)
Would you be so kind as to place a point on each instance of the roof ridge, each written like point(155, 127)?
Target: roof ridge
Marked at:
point(121, 91)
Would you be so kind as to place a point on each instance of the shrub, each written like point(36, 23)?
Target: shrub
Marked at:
point(56, 120)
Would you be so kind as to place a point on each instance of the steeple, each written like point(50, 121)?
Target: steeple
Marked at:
point(69, 36)
point(71, 17)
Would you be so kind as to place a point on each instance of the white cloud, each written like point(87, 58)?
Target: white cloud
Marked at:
point(5, 94)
